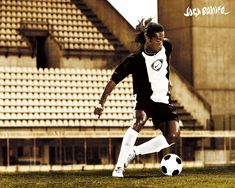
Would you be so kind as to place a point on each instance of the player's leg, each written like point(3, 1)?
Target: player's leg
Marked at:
point(129, 141)
point(155, 144)
point(160, 112)
point(171, 130)
point(140, 120)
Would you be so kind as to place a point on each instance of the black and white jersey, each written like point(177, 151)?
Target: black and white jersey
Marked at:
point(157, 70)
point(150, 74)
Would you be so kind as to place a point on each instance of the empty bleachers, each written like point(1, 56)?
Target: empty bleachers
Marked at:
point(61, 18)
point(59, 97)
point(66, 97)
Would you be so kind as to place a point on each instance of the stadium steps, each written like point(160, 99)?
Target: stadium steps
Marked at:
point(66, 97)
point(188, 121)
point(100, 26)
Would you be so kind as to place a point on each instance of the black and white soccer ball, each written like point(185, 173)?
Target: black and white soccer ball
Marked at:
point(171, 165)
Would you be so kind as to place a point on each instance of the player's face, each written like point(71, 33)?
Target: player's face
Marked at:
point(155, 43)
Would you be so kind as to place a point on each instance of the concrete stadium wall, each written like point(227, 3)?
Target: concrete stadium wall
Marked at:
point(178, 30)
point(16, 61)
point(63, 62)
point(53, 53)
point(186, 95)
point(84, 62)
point(213, 56)
point(222, 101)
point(203, 49)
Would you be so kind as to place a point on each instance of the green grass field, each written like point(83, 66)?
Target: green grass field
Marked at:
point(190, 177)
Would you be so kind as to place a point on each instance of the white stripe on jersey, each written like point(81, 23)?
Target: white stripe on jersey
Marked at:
point(157, 71)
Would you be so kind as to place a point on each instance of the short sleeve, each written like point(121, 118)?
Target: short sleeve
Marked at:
point(123, 70)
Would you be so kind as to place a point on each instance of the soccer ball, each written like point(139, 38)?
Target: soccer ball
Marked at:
point(171, 165)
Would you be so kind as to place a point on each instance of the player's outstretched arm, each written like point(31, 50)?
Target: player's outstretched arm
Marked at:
point(108, 89)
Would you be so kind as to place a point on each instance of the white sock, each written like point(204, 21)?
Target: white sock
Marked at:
point(127, 144)
point(154, 145)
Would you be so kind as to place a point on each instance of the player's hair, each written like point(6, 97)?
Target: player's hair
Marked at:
point(147, 28)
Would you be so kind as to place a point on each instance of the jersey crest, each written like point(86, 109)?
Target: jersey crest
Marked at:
point(157, 64)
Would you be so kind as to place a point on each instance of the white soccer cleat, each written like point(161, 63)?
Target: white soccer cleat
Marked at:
point(118, 172)
point(130, 158)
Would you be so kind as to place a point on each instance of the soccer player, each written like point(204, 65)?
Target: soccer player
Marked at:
point(149, 67)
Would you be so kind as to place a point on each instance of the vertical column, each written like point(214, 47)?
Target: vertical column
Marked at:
point(230, 149)
point(225, 153)
point(34, 151)
point(8, 151)
point(180, 147)
point(60, 148)
point(202, 151)
point(73, 153)
point(46, 153)
point(85, 150)
point(1, 159)
point(110, 151)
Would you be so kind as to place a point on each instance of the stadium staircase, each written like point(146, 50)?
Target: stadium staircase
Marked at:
point(31, 97)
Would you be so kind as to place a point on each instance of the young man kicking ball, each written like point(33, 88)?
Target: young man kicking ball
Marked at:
point(149, 66)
